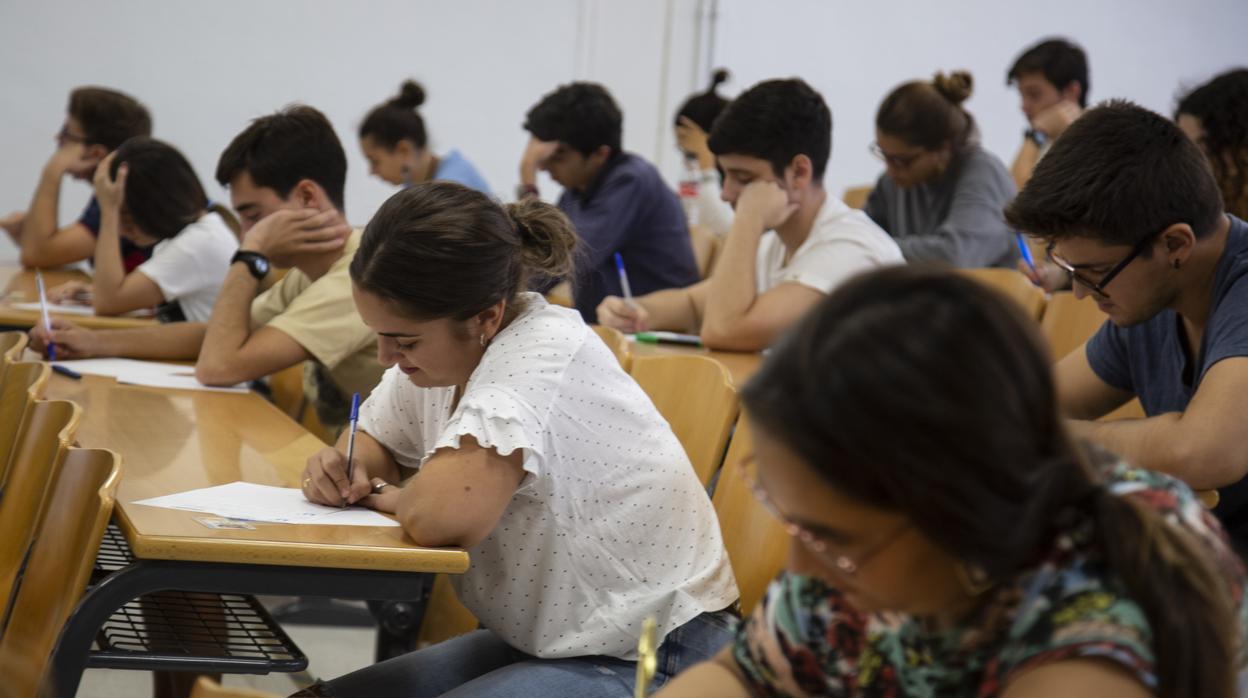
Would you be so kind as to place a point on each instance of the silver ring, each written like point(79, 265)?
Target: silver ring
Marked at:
point(380, 485)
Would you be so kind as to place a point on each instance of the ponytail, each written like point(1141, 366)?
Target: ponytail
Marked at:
point(547, 239)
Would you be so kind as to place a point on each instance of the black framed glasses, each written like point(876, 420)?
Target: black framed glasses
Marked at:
point(848, 565)
point(1098, 287)
point(901, 162)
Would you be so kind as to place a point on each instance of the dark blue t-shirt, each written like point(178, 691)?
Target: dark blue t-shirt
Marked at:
point(628, 209)
point(1149, 360)
point(131, 254)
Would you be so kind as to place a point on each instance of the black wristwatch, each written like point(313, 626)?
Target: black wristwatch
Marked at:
point(1036, 136)
point(256, 263)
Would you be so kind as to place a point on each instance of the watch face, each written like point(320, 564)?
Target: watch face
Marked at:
point(261, 265)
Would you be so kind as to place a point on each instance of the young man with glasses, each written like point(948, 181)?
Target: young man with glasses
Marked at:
point(97, 121)
point(1132, 213)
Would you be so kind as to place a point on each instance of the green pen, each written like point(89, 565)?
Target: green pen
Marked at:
point(668, 338)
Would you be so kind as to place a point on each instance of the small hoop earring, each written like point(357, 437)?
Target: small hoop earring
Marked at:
point(407, 176)
point(483, 339)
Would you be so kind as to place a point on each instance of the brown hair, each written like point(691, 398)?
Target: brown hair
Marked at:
point(108, 117)
point(930, 114)
point(441, 249)
point(979, 424)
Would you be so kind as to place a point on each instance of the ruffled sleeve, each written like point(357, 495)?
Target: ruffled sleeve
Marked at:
point(498, 419)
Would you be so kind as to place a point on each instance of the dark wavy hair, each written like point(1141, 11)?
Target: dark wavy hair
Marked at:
point(581, 114)
point(1222, 107)
point(163, 195)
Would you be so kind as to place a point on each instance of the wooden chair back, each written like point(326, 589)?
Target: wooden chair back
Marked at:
point(12, 344)
point(757, 545)
point(856, 197)
point(61, 558)
point(696, 396)
point(1014, 285)
point(1068, 322)
point(45, 436)
point(23, 383)
point(617, 343)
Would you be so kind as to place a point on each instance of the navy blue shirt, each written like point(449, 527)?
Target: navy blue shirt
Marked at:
point(628, 209)
point(1150, 361)
point(131, 254)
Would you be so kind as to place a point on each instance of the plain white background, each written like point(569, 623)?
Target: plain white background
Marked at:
point(205, 69)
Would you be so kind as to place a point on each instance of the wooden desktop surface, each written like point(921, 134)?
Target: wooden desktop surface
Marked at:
point(19, 287)
point(176, 440)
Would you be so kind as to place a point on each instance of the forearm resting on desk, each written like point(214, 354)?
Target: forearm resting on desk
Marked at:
point(1169, 443)
point(179, 341)
point(325, 478)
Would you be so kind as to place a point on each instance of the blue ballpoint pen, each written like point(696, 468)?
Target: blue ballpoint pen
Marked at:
point(1025, 251)
point(355, 422)
point(628, 290)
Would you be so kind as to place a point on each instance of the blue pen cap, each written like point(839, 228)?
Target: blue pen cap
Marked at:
point(355, 407)
point(619, 262)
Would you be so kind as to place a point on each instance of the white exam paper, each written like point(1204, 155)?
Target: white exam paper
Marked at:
point(147, 373)
point(252, 502)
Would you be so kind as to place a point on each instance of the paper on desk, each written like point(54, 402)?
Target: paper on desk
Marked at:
point(60, 308)
point(252, 502)
point(148, 373)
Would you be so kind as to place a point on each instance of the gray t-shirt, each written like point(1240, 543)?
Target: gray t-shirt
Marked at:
point(956, 219)
point(1149, 360)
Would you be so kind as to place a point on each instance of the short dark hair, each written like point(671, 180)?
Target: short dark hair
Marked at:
point(1119, 174)
point(163, 195)
point(581, 114)
point(929, 114)
point(704, 107)
point(1061, 62)
point(398, 119)
point(108, 117)
point(279, 150)
point(776, 120)
point(1221, 105)
point(443, 250)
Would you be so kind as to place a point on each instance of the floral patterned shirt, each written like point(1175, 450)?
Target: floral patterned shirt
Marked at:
point(805, 640)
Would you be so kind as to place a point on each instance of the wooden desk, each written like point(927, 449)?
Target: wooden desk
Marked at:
point(19, 287)
point(742, 365)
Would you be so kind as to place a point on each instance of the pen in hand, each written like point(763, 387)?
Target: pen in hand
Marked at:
point(355, 420)
point(47, 321)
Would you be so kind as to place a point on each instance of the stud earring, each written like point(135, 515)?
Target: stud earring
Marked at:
point(1176, 264)
point(482, 340)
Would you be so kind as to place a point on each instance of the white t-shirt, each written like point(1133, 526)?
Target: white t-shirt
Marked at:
point(190, 266)
point(842, 242)
point(610, 524)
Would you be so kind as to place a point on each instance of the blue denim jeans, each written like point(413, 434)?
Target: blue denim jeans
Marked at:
point(481, 664)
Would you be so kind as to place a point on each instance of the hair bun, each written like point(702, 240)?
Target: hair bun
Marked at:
point(955, 87)
point(719, 77)
point(411, 95)
point(546, 235)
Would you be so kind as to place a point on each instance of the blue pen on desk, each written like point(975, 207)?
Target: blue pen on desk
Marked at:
point(68, 373)
point(628, 290)
point(1025, 251)
point(47, 321)
point(355, 422)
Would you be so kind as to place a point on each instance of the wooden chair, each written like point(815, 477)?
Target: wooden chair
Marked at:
point(42, 442)
point(24, 382)
point(12, 344)
point(1068, 322)
point(856, 197)
point(1014, 285)
point(561, 295)
point(705, 248)
point(757, 544)
point(207, 688)
point(617, 343)
point(61, 557)
point(696, 396)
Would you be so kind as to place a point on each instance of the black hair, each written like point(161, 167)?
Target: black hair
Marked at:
point(1221, 105)
point(398, 119)
point(703, 107)
point(930, 114)
point(581, 114)
point(108, 117)
point(279, 150)
point(953, 423)
point(1119, 174)
point(1061, 62)
point(440, 249)
point(776, 120)
point(163, 195)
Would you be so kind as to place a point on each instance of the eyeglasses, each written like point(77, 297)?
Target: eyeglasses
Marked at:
point(901, 162)
point(64, 136)
point(846, 564)
point(1098, 287)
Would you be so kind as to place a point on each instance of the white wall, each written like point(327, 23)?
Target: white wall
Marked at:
point(855, 52)
point(205, 69)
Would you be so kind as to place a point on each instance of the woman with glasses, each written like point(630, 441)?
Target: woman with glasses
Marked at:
point(941, 193)
point(956, 541)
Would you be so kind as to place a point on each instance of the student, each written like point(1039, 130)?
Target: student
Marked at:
point(949, 538)
point(1215, 117)
point(617, 202)
point(1052, 81)
point(791, 243)
point(286, 173)
point(97, 121)
point(395, 143)
point(476, 438)
point(149, 194)
point(1131, 210)
point(703, 205)
point(941, 194)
